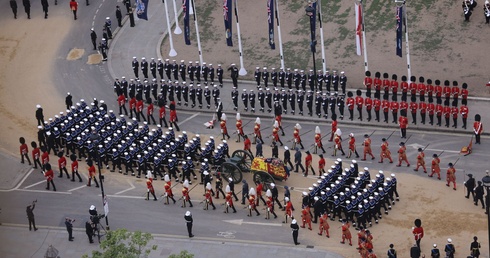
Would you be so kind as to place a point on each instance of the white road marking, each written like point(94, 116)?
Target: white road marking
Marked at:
point(40, 182)
point(42, 191)
point(20, 183)
point(131, 188)
point(240, 222)
point(189, 118)
point(76, 188)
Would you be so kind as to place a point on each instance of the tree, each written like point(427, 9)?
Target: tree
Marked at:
point(122, 243)
point(182, 254)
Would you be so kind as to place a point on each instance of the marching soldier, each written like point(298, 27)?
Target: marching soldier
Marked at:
point(300, 99)
point(319, 80)
point(394, 110)
point(224, 130)
point(367, 147)
point(455, 113)
point(296, 79)
point(431, 110)
point(239, 127)
point(350, 105)
point(309, 163)
point(149, 112)
point(49, 175)
point(149, 185)
point(160, 68)
point(199, 94)
point(257, 75)
point(385, 152)
point(318, 104)
point(257, 133)
point(274, 77)
point(182, 70)
point(219, 73)
point(91, 174)
point(216, 96)
point(168, 190)
point(467, 10)
point(325, 105)
point(268, 100)
point(245, 99)
point(309, 102)
point(205, 73)
point(289, 78)
point(153, 68)
point(423, 109)
point(352, 146)
point(173, 116)
point(229, 200)
point(477, 128)
point(451, 176)
point(197, 71)
point(190, 71)
point(275, 133)
point(324, 226)
point(311, 80)
point(161, 115)
point(261, 97)
point(338, 143)
point(343, 81)
point(209, 196)
point(297, 136)
point(36, 153)
point(282, 78)
point(251, 100)
point(346, 232)
point(447, 114)
point(234, 97)
point(135, 64)
point(265, 77)
point(207, 96)
point(292, 101)
point(368, 82)
point(413, 110)
point(420, 160)
point(185, 194)
point(61, 165)
point(435, 166)
point(269, 203)
point(421, 88)
point(402, 155)
point(333, 102)
point(288, 207)
point(321, 165)
point(24, 150)
point(144, 67)
point(439, 111)
point(318, 140)
point(234, 75)
point(251, 203)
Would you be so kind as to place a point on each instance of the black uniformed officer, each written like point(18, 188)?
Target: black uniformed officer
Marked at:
point(284, 100)
point(234, 97)
point(153, 67)
point(144, 67)
point(234, 75)
point(257, 76)
point(343, 81)
point(309, 102)
point(207, 96)
point(211, 73)
point(136, 65)
point(197, 71)
point(282, 77)
point(274, 77)
point(335, 81)
point(199, 95)
point(300, 99)
point(265, 77)
point(175, 70)
point(292, 101)
point(319, 79)
point(327, 78)
point(268, 100)
point(219, 73)
point(311, 80)
point(245, 99)
point(182, 69)
point(251, 100)
point(261, 98)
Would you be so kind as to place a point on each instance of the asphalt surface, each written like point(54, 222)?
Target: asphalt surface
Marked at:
point(126, 207)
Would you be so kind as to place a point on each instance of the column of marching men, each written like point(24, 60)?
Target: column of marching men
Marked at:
point(433, 100)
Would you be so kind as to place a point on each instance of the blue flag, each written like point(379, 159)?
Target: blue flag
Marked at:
point(187, 33)
point(270, 20)
point(142, 9)
point(399, 30)
point(227, 18)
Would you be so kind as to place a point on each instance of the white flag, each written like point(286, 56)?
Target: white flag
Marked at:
point(359, 26)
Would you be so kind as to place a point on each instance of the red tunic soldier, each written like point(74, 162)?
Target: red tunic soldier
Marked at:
point(161, 116)
point(394, 85)
point(386, 85)
point(352, 146)
point(74, 168)
point(24, 151)
point(418, 231)
point(446, 91)
point(430, 90)
point(149, 186)
point(477, 128)
point(431, 108)
point(447, 114)
point(394, 110)
point(324, 226)
point(185, 194)
point(209, 197)
point(309, 163)
point(377, 85)
point(48, 174)
point(275, 133)
point(350, 104)
point(403, 122)
point(402, 155)
point(385, 151)
point(438, 91)
point(260, 188)
point(132, 107)
point(346, 232)
point(321, 165)
point(359, 103)
point(139, 109)
point(222, 124)
point(149, 112)
point(247, 144)
point(288, 209)
point(464, 94)
point(455, 93)
point(368, 82)
point(44, 157)
point(62, 165)
point(463, 110)
point(367, 147)
point(251, 203)
point(385, 105)
point(451, 176)
point(377, 108)
point(229, 200)
point(403, 108)
point(413, 110)
point(279, 122)
point(455, 114)
point(173, 116)
point(338, 143)
point(91, 174)
point(421, 89)
point(297, 136)
point(435, 166)
point(36, 154)
point(423, 110)
point(439, 111)
point(404, 87)
point(121, 101)
point(239, 127)
point(421, 160)
point(168, 189)
point(413, 87)
point(257, 133)
point(369, 106)
point(306, 217)
point(318, 140)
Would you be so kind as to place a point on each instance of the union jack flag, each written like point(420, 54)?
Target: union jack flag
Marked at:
point(225, 10)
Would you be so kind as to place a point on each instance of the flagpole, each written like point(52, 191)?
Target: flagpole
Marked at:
point(281, 54)
point(172, 51)
point(409, 69)
point(177, 30)
point(242, 71)
point(364, 48)
point(324, 61)
point(197, 33)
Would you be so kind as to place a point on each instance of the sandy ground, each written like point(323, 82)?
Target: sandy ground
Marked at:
point(25, 81)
